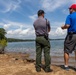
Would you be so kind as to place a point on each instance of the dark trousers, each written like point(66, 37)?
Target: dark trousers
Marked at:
point(42, 44)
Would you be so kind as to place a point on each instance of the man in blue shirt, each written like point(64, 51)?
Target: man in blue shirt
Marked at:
point(70, 40)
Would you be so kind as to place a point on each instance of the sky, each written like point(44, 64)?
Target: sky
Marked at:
point(17, 17)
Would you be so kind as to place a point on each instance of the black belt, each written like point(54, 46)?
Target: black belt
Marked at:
point(39, 35)
point(72, 33)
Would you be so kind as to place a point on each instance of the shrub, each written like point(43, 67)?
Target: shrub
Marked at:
point(3, 42)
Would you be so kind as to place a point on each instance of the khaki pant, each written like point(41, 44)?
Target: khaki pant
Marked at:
point(42, 44)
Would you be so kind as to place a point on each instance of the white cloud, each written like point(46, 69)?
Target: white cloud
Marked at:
point(21, 33)
point(33, 17)
point(29, 33)
point(58, 33)
point(9, 32)
point(6, 26)
point(10, 5)
point(16, 25)
point(52, 5)
point(26, 31)
point(18, 30)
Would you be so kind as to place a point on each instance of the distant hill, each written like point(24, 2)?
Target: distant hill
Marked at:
point(22, 40)
point(18, 40)
point(58, 39)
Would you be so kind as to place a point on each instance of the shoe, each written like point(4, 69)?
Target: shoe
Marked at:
point(66, 68)
point(48, 70)
point(38, 69)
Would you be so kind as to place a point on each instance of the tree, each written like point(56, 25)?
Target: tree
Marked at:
point(3, 40)
point(2, 33)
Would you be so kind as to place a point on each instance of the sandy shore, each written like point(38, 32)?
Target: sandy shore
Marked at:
point(20, 64)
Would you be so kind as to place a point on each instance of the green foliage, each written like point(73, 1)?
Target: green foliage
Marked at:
point(2, 33)
point(3, 42)
point(3, 39)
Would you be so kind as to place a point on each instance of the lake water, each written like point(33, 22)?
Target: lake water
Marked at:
point(29, 47)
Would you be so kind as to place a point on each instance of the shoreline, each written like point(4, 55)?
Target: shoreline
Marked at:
point(55, 60)
point(21, 64)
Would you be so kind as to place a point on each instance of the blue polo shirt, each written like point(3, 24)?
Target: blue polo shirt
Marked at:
point(71, 20)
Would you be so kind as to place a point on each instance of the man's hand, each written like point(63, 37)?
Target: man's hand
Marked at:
point(62, 26)
point(65, 26)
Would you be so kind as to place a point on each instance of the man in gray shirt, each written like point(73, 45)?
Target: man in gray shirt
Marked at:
point(42, 27)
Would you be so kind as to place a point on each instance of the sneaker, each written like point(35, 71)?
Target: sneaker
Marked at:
point(66, 68)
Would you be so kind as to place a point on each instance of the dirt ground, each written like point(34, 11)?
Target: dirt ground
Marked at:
point(20, 64)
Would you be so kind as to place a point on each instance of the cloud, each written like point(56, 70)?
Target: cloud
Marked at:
point(18, 30)
point(6, 26)
point(14, 32)
point(58, 33)
point(29, 33)
point(21, 33)
point(10, 24)
point(24, 31)
point(33, 17)
point(52, 5)
point(55, 25)
point(10, 5)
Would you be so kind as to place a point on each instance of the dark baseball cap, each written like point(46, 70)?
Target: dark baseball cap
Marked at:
point(40, 12)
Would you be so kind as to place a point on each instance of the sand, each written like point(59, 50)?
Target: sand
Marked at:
point(20, 64)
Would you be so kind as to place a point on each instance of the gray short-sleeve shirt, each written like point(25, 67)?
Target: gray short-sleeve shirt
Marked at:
point(41, 26)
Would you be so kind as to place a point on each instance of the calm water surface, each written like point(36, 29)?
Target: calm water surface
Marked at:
point(29, 47)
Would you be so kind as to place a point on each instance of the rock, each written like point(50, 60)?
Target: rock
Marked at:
point(16, 59)
point(30, 60)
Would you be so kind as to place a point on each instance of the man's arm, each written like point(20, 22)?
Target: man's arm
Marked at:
point(65, 26)
point(67, 23)
point(49, 29)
